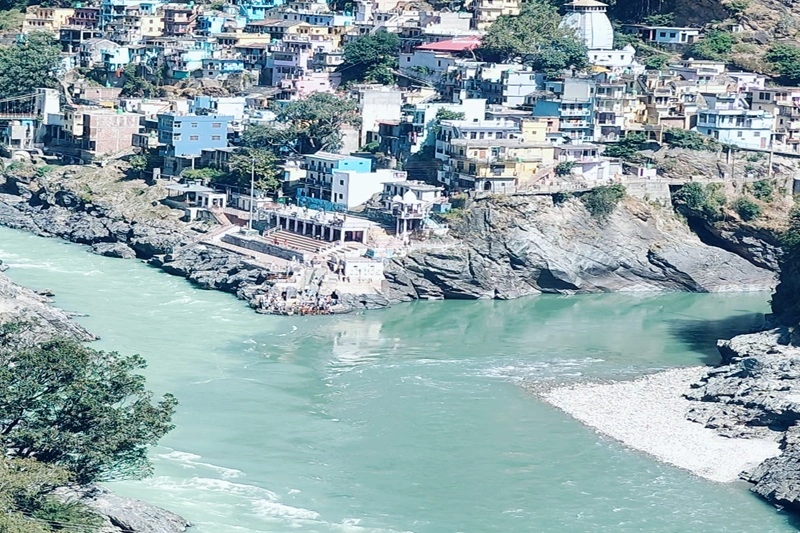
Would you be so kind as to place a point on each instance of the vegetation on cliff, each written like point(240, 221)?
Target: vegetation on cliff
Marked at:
point(69, 414)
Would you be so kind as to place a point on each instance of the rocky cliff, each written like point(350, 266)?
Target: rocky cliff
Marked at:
point(517, 246)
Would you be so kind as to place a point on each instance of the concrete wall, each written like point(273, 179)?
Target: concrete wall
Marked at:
point(262, 247)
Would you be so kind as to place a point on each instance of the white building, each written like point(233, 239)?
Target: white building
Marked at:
point(740, 127)
point(588, 165)
point(352, 188)
point(591, 23)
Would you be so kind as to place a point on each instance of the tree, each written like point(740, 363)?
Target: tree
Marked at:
point(138, 163)
point(716, 46)
point(263, 161)
point(66, 404)
point(136, 85)
point(691, 140)
point(447, 114)
point(601, 201)
point(746, 208)
point(704, 201)
point(371, 58)
point(785, 59)
point(764, 190)
point(306, 126)
point(203, 175)
point(627, 147)
point(536, 38)
point(656, 62)
point(29, 64)
point(660, 19)
point(564, 168)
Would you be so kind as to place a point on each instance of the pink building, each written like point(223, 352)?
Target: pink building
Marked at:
point(301, 86)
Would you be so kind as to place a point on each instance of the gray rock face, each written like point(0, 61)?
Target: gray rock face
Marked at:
point(756, 393)
point(19, 304)
point(114, 249)
point(126, 515)
point(518, 246)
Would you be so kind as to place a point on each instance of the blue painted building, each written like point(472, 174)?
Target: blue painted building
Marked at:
point(319, 172)
point(222, 68)
point(184, 137)
point(254, 10)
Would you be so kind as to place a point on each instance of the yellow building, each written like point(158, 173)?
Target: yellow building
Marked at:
point(488, 11)
point(49, 19)
point(152, 25)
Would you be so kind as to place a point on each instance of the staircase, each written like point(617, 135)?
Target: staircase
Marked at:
point(293, 241)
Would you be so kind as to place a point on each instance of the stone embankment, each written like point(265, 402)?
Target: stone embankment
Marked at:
point(124, 515)
point(503, 248)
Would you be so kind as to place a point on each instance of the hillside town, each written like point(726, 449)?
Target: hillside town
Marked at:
point(313, 132)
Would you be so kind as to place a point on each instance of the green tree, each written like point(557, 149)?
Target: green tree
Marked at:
point(139, 163)
point(704, 201)
point(29, 64)
point(627, 147)
point(535, 37)
point(601, 201)
point(260, 160)
point(203, 175)
point(746, 208)
point(371, 58)
point(66, 404)
point(785, 60)
point(447, 114)
point(660, 19)
point(716, 45)
point(764, 190)
point(691, 140)
point(136, 85)
point(656, 62)
point(306, 126)
point(564, 168)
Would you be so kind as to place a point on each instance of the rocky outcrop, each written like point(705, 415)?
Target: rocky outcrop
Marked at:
point(756, 393)
point(19, 304)
point(517, 246)
point(125, 515)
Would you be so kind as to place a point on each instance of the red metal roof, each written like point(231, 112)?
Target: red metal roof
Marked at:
point(459, 44)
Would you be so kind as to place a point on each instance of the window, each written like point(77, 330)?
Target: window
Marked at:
point(215, 137)
point(341, 182)
point(216, 124)
point(482, 135)
point(194, 137)
point(472, 135)
point(672, 34)
point(176, 137)
point(757, 134)
point(408, 59)
point(194, 124)
point(662, 34)
point(739, 133)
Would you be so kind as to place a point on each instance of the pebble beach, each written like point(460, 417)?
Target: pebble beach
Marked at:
point(649, 415)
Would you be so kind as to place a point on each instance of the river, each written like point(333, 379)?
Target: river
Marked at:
point(406, 419)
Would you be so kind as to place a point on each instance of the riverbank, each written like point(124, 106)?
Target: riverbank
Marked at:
point(649, 415)
point(123, 515)
point(502, 248)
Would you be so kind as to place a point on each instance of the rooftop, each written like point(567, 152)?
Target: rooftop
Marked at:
point(414, 185)
point(459, 44)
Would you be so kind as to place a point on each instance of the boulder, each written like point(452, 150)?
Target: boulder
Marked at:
point(114, 249)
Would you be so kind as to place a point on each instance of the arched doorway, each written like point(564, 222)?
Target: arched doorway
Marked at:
point(487, 185)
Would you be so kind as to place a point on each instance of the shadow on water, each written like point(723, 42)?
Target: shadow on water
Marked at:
point(702, 335)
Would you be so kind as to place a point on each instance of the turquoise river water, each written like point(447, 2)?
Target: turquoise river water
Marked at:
point(407, 419)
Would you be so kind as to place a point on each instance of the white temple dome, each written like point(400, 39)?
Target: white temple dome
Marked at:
point(589, 19)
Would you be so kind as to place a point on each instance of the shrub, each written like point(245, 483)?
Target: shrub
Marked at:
point(746, 208)
point(565, 168)
point(716, 46)
point(690, 140)
point(627, 147)
point(737, 8)
point(785, 59)
point(764, 190)
point(601, 201)
point(561, 197)
point(705, 201)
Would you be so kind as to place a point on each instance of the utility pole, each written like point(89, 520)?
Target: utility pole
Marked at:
point(252, 189)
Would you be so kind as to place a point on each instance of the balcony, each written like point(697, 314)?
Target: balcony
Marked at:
point(575, 112)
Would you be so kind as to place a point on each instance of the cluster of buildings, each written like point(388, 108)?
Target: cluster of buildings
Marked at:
point(468, 125)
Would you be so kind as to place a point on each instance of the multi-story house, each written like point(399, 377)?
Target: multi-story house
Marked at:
point(180, 19)
point(72, 38)
point(491, 155)
point(730, 120)
point(587, 163)
point(783, 103)
point(49, 19)
point(320, 168)
point(485, 12)
point(253, 10)
point(106, 131)
point(572, 100)
point(221, 68)
point(184, 137)
point(84, 17)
